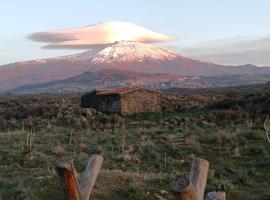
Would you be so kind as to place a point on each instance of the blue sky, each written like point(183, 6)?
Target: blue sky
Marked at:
point(227, 32)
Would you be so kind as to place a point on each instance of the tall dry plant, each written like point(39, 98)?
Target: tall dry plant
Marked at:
point(266, 126)
point(27, 141)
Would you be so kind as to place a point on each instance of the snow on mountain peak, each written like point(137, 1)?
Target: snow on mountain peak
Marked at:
point(132, 51)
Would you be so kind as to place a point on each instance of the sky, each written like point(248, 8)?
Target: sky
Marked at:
point(228, 32)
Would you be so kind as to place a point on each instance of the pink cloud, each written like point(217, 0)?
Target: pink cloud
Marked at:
point(98, 35)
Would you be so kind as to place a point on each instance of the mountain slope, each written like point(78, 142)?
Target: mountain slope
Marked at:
point(100, 78)
point(123, 55)
point(120, 78)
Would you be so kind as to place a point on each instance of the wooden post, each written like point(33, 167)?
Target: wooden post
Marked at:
point(216, 196)
point(89, 176)
point(68, 179)
point(198, 176)
point(75, 189)
point(183, 188)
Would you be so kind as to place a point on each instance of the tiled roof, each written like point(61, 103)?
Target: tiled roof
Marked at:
point(114, 91)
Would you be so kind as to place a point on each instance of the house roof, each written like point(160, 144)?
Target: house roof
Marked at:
point(118, 91)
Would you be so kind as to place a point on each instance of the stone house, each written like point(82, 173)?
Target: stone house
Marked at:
point(125, 101)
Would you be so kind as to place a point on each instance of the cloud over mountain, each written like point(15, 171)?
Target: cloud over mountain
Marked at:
point(98, 36)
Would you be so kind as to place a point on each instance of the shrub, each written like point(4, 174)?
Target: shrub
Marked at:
point(263, 163)
point(228, 115)
point(257, 150)
point(9, 190)
point(241, 179)
point(213, 138)
point(196, 148)
point(265, 196)
point(150, 151)
point(133, 191)
point(252, 172)
point(238, 140)
point(226, 171)
point(93, 150)
point(174, 151)
point(253, 135)
point(220, 185)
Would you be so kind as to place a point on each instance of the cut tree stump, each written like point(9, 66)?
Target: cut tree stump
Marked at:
point(89, 176)
point(216, 196)
point(75, 189)
point(198, 176)
point(183, 188)
point(68, 179)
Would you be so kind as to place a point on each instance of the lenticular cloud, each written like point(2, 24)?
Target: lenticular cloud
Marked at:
point(98, 35)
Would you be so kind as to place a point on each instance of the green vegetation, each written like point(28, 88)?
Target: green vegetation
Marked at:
point(142, 152)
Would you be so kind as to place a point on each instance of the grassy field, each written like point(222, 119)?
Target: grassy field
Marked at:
point(143, 153)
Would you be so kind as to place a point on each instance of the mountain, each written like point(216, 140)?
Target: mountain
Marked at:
point(122, 78)
point(123, 55)
point(101, 78)
point(40, 71)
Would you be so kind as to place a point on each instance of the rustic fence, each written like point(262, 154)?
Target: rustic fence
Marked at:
point(79, 187)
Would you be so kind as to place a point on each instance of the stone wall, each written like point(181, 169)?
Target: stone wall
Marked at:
point(102, 103)
point(108, 103)
point(140, 101)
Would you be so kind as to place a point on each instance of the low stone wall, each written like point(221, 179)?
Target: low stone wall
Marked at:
point(140, 101)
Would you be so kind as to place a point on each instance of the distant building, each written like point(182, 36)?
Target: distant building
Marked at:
point(125, 101)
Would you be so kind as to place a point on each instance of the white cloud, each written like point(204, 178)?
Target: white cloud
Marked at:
point(98, 35)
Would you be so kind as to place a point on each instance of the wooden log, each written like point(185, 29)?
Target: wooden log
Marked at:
point(89, 176)
point(216, 196)
point(183, 188)
point(68, 179)
point(198, 176)
point(75, 189)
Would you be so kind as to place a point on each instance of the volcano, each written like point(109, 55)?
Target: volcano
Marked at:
point(123, 55)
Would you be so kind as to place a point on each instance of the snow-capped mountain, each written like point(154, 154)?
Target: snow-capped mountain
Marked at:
point(122, 55)
point(130, 52)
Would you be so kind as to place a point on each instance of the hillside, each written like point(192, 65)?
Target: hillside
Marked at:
point(122, 78)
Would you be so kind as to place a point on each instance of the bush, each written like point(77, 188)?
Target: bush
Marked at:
point(196, 149)
point(241, 180)
point(174, 151)
point(226, 171)
point(263, 163)
point(228, 115)
point(93, 150)
point(133, 191)
point(9, 190)
point(257, 150)
point(252, 172)
point(253, 135)
point(220, 185)
point(211, 139)
point(238, 140)
point(150, 151)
